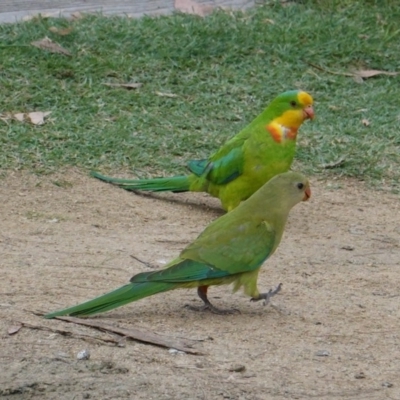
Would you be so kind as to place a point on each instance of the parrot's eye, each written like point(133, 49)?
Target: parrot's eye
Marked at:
point(293, 103)
point(300, 185)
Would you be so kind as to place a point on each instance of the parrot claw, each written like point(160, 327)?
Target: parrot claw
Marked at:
point(202, 292)
point(267, 296)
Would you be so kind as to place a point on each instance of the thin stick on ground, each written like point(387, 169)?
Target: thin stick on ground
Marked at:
point(69, 333)
point(136, 334)
point(147, 264)
point(330, 71)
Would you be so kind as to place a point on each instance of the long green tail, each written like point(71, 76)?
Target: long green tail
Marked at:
point(117, 298)
point(172, 184)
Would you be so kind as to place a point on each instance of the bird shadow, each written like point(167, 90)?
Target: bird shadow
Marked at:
point(205, 204)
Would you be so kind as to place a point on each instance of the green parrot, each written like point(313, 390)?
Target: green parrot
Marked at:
point(230, 250)
point(263, 149)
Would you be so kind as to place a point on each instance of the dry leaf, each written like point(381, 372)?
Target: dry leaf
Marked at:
point(19, 117)
point(28, 18)
point(365, 122)
point(369, 73)
point(191, 7)
point(49, 45)
point(358, 76)
point(61, 32)
point(37, 117)
point(12, 330)
point(47, 15)
point(334, 164)
point(161, 94)
point(132, 85)
point(77, 15)
point(269, 21)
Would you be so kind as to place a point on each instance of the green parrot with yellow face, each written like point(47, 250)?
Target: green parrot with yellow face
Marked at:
point(263, 149)
point(231, 249)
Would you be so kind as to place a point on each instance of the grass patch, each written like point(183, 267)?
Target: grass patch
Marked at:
point(223, 70)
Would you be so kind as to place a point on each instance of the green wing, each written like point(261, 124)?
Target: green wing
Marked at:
point(234, 248)
point(198, 167)
point(222, 167)
point(218, 254)
point(228, 162)
point(181, 272)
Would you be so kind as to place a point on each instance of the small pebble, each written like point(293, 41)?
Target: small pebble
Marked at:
point(237, 368)
point(322, 353)
point(175, 352)
point(387, 384)
point(83, 355)
point(359, 375)
point(349, 248)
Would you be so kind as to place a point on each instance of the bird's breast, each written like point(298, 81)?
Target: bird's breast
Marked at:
point(281, 133)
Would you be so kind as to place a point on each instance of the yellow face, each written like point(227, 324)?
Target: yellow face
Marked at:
point(286, 126)
point(305, 99)
point(292, 119)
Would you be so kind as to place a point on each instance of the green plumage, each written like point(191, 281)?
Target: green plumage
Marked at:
point(230, 250)
point(242, 165)
point(172, 184)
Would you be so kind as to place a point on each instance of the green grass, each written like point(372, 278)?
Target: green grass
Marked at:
point(224, 69)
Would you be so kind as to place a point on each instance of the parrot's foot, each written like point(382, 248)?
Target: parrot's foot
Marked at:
point(202, 292)
point(267, 296)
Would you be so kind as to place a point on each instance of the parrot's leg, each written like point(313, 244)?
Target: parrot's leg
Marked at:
point(202, 292)
point(267, 296)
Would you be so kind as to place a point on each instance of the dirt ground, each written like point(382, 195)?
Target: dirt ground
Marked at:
point(68, 238)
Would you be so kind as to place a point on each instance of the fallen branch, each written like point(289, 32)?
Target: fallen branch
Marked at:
point(135, 334)
point(69, 333)
point(132, 85)
point(329, 71)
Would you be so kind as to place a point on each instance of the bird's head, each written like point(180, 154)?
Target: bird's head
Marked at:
point(293, 108)
point(291, 187)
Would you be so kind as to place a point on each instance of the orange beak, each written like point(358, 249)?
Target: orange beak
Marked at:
point(307, 194)
point(308, 112)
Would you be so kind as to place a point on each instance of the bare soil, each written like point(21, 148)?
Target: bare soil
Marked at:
point(335, 333)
